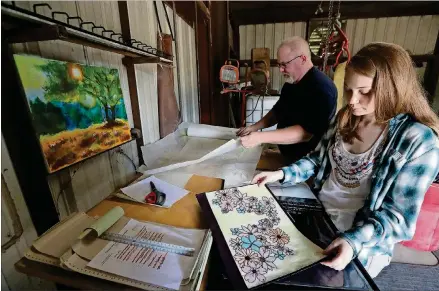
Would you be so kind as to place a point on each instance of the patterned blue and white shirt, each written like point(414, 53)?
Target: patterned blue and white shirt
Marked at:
point(404, 171)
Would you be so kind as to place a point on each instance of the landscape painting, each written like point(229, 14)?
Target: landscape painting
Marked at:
point(77, 110)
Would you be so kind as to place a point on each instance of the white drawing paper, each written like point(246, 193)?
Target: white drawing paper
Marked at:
point(139, 190)
point(203, 150)
point(263, 241)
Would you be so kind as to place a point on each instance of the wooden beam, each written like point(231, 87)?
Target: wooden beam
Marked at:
point(204, 61)
point(431, 74)
point(220, 53)
point(291, 11)
point(24, 147)
point(203, 8)
point(131, 75)
point(235, 33)
point(140, 60)
point(184, 9)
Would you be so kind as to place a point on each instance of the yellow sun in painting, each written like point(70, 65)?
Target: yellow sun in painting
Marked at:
point(75, 72)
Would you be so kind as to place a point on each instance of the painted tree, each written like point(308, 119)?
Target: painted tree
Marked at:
point(59, 85)
point(103, 84)
point(67, 82)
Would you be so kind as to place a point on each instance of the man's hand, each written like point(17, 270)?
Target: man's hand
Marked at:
point(243, 131)
point(251, 140)
point(268, 177)
point(343, 254)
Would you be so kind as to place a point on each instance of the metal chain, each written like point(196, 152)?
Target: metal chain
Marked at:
point(337, 16)
point(319, 8)
point(338, 10)
point(328, 33)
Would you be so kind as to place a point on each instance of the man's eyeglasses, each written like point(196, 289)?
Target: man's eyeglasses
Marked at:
point(285, 64)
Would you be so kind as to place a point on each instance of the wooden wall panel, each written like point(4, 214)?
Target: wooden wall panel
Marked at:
point(415, 33)
point(82, 186)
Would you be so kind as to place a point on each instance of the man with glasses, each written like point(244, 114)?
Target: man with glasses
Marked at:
point(306, 105)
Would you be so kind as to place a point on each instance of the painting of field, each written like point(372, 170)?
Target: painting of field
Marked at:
point(77, 110)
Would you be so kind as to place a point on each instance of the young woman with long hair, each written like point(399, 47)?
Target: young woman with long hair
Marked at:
point(376, 161)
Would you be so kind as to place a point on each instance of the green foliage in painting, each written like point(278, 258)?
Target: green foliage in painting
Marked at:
point(47, 118)
point(59, 86)
point(104, 86)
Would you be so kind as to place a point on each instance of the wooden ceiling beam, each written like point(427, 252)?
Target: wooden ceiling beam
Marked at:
point(275, 12)
point(184, 9)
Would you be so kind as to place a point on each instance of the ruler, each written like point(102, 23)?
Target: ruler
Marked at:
point(145, 243)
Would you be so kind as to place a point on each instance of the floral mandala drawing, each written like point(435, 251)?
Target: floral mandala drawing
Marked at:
point(257, 247)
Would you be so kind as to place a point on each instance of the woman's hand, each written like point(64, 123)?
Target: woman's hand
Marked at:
point(268, 177)
point(343, 254)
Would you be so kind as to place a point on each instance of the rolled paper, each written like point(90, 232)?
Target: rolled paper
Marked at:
point(104, 222)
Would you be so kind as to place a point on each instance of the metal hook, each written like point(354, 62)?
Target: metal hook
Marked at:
point(97, 27)
point(115, 33)
point(74, 17)
point(105, 30)
point(145, 45)
point(61, 13)
point(85, 23)
point(133, 41)
point(40, 5)
point(141, 45)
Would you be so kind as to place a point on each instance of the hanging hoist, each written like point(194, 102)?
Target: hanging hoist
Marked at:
point(335, 42)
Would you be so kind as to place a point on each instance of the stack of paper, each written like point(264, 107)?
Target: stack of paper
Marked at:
point(164, 269)
point(119, 263)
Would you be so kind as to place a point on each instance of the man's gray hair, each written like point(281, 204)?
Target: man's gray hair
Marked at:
point(297, 44)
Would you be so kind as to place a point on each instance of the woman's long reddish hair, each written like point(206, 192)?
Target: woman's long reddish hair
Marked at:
point(395, 84)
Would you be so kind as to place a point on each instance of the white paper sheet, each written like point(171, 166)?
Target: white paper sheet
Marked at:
point(139, 190)
point(264, 243)
point(146, 265)
point(230, 146)
point(192, 150)
point(210, 131)
point(176, 179)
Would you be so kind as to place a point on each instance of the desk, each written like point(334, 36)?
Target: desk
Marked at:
point(270, 160)
point(184, 213)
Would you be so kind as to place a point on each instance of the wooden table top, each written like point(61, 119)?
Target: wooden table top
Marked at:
point(184, 213)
